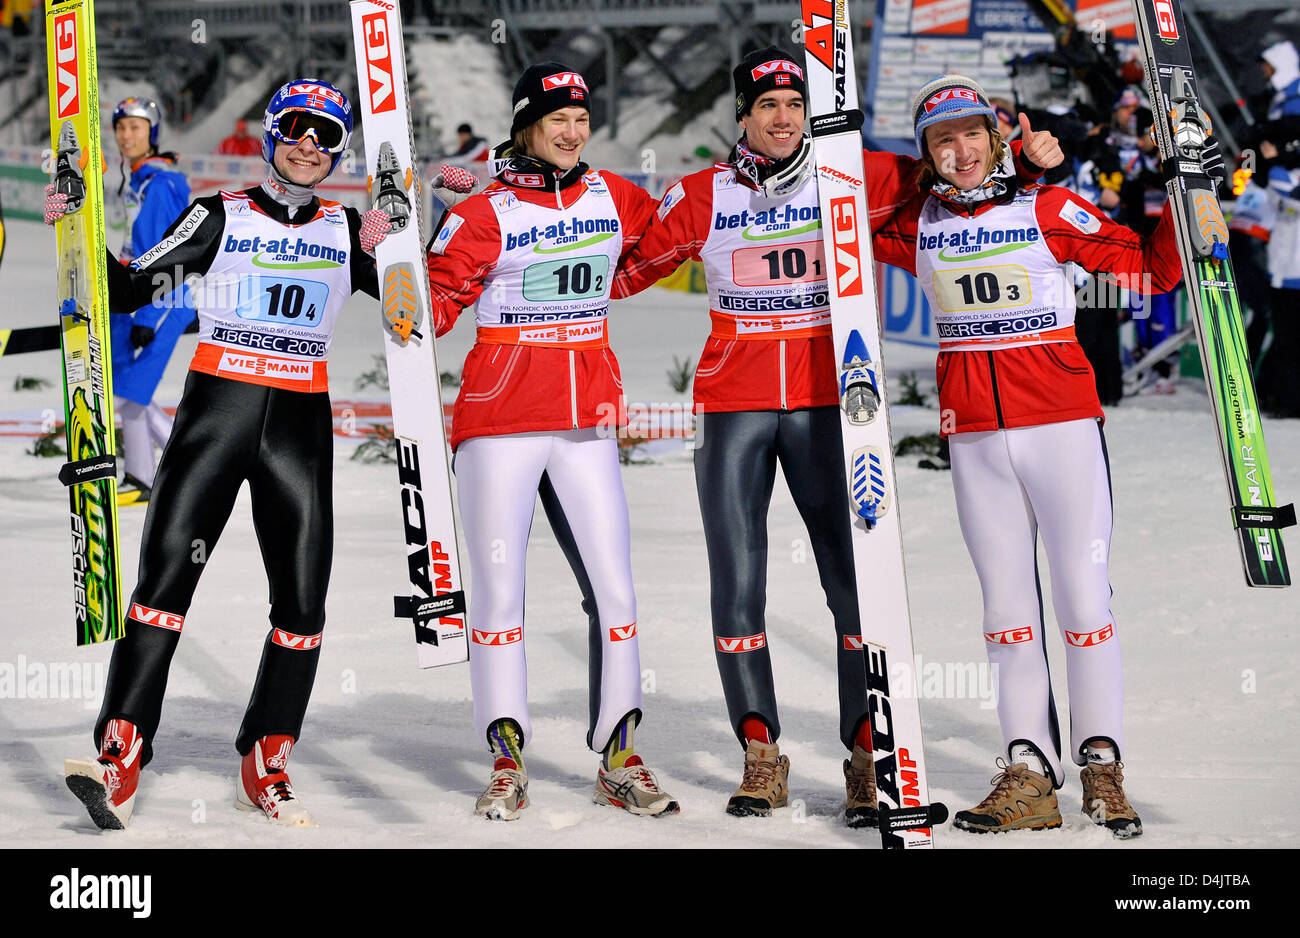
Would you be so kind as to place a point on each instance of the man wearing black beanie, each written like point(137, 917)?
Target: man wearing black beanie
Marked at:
point(535, 253)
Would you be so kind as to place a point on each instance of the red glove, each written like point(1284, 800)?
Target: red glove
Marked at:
point(56, 205)
point(375, 227)
point(455, 178)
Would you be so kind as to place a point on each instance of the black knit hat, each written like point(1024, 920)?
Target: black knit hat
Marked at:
point(769, 69)
point(544, 88)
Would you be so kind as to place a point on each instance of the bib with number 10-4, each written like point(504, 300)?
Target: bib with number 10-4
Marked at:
point(991, 280)
point(764, 263)
point(551, 283)
point(268, 304)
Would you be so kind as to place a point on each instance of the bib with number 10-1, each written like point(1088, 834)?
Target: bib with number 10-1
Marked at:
point(268, 304)
point(991, 280)
point(764, 263)
point(551, 283)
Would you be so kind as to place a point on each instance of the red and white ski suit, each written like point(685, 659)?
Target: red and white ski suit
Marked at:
point(1019, 406)
point(541, 396)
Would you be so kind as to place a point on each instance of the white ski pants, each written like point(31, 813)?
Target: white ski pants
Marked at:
point(142, 426)
point(1012, 485)
point(496, 482)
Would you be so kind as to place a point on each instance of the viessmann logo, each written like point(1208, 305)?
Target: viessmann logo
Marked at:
point(67, 66)
point(379, 63)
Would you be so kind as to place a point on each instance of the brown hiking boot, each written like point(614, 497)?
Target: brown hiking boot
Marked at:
point(860, 808)
point(1020, 799)
point(766, 783)
point(1104, 800)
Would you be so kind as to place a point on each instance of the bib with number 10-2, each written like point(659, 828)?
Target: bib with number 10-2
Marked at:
point(992, 280)
point(554, 269)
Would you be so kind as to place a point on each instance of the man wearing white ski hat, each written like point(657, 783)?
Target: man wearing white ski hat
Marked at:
point(1020, 410)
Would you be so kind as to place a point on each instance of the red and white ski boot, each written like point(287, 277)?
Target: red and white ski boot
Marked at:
point(264, 786)
point(106, 786)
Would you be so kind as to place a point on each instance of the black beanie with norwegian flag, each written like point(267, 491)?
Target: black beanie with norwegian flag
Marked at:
point(770, 69)
point(544, 88)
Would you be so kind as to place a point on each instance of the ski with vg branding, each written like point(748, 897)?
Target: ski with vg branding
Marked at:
point(906, 816)
point(1183, 135)
point(91, 471)
point(435, 603)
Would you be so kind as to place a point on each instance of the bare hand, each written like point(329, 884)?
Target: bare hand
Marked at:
point(1267, 150)
point(1040, 147)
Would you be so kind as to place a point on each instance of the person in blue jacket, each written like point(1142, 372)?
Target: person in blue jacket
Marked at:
point(155, 194)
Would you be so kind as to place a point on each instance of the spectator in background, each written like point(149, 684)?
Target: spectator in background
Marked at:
point(471, 148)
point(1281, 65)
point(1279, 389)
point(240, 143)
point(1099, 178)
point(1251, 224)
point(1144, 196)
point(1005, 110)
point(154, 194)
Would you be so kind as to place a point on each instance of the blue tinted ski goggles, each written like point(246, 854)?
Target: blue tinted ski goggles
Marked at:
point(327, 132)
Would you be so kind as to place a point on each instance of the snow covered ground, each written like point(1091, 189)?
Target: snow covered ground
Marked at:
point(389, 756)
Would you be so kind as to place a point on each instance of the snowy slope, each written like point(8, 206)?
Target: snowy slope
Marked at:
point(390, 758)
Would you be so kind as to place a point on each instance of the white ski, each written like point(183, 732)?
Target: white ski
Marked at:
point(836, 123)
point(436, 602)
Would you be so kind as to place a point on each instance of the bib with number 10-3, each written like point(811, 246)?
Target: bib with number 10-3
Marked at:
point(992, 281)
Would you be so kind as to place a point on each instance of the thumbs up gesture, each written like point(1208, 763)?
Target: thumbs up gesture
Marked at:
point(1040, 147)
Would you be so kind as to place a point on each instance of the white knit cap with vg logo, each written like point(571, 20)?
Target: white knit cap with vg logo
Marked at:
point(945, 98)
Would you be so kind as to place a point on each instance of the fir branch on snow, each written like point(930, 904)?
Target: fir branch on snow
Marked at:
point(629, 448)
point(47, 444)
point(679, 376)
point(30, 384)
point(911, 393)
point(926, 444)
point(377, 376)
point(449, 379)
point(381, 446)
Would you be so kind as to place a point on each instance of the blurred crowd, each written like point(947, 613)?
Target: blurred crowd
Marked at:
point(1112, 161)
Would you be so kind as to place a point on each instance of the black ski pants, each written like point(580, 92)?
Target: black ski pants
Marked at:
point(282, 443)
point(735, 468)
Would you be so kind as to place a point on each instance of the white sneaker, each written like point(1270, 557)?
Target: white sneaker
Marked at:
point(506, 794)
point(264, 785)
point(634, 789)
